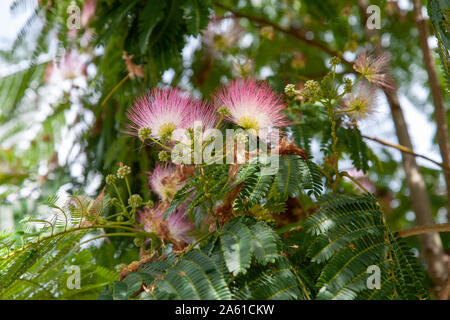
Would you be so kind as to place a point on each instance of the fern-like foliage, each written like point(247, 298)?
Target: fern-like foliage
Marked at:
point(348, 235)
point(438, 12)
point(34, 260)
point(241, 261)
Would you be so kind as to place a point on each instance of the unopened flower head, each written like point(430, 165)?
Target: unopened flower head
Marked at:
point(252, 105)
point(123, 171)
point(110, 179)
point(161, 183)
point(290, 90)
point(376, 70)
point(334, 61)
point(312, 90)
point(361, 105)
point(162, 112)
point(163, 156)
point(348, 85)
point(135, 201)
point(144, 133)
point(223, 111)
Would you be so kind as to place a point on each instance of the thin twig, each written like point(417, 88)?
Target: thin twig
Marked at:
point(114, 89)
point(407, 150)
point(295, 32)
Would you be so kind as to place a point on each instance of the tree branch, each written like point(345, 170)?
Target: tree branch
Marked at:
point(443, 227)
point(436, 92)
point(407, 150)
point(298, 33)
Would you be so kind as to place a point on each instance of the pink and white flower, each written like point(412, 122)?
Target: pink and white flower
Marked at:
point(72, 66)
point(360, 105)
point(160, 113)
point(202, 113)
point(252, 105)
point(163, 182)
point(376, 70)
point(176, 228)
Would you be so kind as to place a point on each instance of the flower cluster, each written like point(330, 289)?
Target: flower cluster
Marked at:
point(246, 103)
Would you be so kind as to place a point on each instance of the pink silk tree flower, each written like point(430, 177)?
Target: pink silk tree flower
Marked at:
point(202, 113)
point(71, 67)
point(179, 226)
point(176, 228)
point(163, 182)
point(252, 105)
point(360, 105)
point(376, 70)
point(159, 114)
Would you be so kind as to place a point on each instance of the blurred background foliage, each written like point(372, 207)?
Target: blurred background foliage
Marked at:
point(64, 98)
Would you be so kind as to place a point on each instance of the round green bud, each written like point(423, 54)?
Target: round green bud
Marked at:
point(110, 179)
point(334, 61)
point(144, 133)
point(164, 156)
point(149, 204)
point(289, 90)
point(123, 171)
point(223, 110)
point(135, 201)
point(119, 218)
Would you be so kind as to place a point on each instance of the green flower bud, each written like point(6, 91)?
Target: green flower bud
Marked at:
point(135, 201)
point(334, 61)
point(312, 90)
point(115, 202)
point(123, 171)
point(348, 85)
point(110, 179)
point(149, 204)
point(164, 156)
point(144, 133)
point(223, 111)
point(289, 90)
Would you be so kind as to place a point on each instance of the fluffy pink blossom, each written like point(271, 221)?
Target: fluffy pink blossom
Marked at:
point(161, 183)
point(222, 34)
point(202, 113)
point(375, 70)
point(71, 67)
point(176, 228)
point(162, 112)
point(252, 105)
point(362, 179)
point(88, 12)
